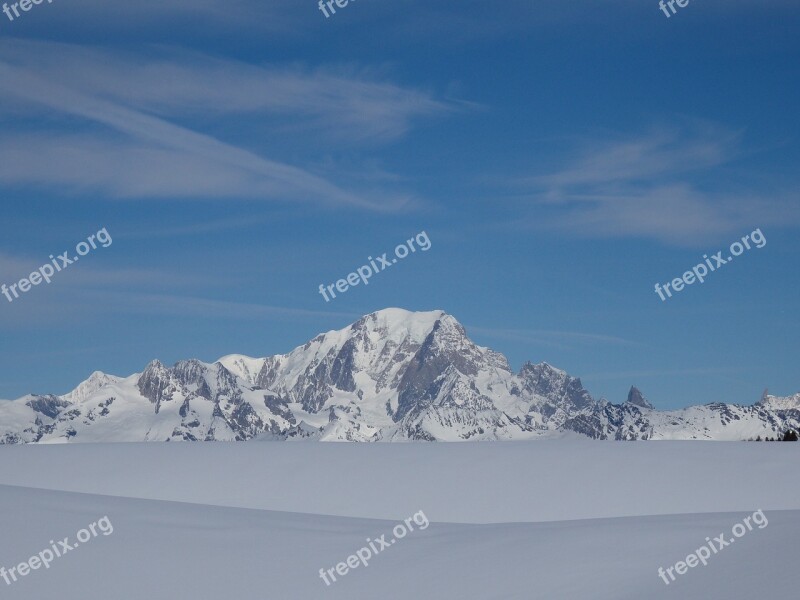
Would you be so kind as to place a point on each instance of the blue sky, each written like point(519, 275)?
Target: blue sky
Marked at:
point(561, 159)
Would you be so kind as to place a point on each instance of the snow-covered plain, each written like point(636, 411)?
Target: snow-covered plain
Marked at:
point(558, 519)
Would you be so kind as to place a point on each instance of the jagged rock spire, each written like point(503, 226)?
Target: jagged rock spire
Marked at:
point(636, 398)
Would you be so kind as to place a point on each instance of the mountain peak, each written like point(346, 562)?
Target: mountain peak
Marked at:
point(96, 381)
point(154, 381)
point(556, 385)
point(417, 324)
point(780, 402)
point(543, 367)
point(392, 375)
point(636, 398)
point(154, 365)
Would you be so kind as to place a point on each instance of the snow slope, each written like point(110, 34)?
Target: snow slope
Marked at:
point(507, 521)
point(471, 483)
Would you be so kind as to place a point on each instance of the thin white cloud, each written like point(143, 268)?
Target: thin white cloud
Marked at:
point(345, 103)
point(279, 180)
point(194, 228)
point(140, 150)
point(194, 306)
point(629, 375)
point(559, 339)
point(125, 168)
point(660, 152)
point(154, 17)
point(14, 268)
point(78, 301)
point(648, 186)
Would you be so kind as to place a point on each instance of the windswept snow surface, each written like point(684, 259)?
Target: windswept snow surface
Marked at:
point(563, 519)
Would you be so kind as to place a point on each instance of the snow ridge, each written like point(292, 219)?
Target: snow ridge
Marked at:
point(393, 375)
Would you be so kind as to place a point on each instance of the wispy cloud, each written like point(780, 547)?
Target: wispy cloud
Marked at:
point(630, 375)
point(14, 268)
point(348, 103)
point(660, 152)
point(140, 150)
point(165, 18)
point(670, 184)
point(194, 228)
point(279, 180)
point(82, 302)
point(195, 306)
point(559, 339)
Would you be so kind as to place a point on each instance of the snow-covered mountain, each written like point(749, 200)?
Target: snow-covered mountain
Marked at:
point(393, 375)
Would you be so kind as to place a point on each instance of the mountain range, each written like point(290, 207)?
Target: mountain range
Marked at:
point(393, 375)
